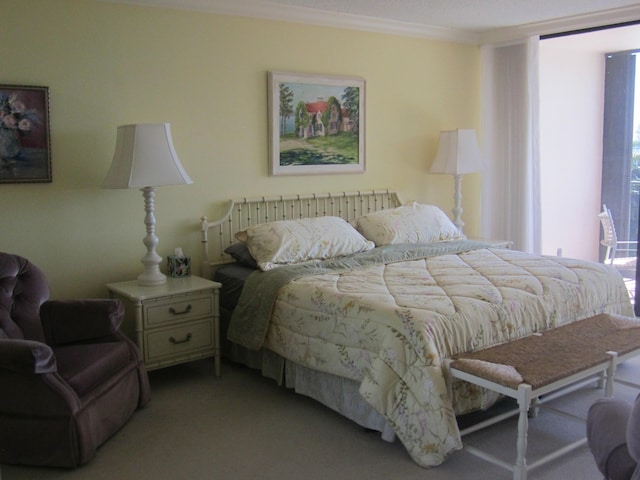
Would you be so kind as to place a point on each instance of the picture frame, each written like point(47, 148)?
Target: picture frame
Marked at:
point(25, 151)
point(316, 124)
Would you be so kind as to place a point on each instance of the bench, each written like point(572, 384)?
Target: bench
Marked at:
point(549, 364)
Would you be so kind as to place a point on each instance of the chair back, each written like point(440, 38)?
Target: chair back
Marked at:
point(23, 289)
point(610, 239)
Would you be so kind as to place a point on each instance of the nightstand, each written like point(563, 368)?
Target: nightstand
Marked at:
point(172, 323)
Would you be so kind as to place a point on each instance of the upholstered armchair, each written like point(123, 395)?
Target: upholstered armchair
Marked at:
point(613, 433)
point(68, 378)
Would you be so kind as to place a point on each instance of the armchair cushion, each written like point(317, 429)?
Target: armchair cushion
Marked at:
point(26, 356)
point(84, 367)
point(70, 321)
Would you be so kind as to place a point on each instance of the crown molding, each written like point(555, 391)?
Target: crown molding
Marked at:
point(311, 16)
point(266, 10)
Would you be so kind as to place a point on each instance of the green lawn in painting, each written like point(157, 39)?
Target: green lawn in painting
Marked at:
point(338, 149)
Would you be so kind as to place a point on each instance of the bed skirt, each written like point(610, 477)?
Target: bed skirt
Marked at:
point(339, 394)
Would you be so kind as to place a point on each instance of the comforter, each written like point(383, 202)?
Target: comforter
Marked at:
point(387, 318)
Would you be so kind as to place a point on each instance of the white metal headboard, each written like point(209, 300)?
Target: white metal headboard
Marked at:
point(244, 212)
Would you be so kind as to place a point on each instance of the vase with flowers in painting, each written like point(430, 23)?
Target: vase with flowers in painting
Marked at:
point(9, 143)
point(15, 121)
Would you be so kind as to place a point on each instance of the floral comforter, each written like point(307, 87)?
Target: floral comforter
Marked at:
point(388, 317)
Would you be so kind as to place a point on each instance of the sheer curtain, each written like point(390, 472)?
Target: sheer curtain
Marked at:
point(510, 133)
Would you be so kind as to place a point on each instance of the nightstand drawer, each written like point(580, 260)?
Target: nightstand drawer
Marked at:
point(177, 309)
point(180, 340)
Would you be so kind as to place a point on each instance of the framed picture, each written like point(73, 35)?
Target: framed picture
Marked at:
point(316, 124)
point(25, 154)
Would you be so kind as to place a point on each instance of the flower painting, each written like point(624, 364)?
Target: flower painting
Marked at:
point(316, 124)
point(24, 134)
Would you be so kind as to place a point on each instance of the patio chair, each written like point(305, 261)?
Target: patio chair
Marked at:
point(610, 238)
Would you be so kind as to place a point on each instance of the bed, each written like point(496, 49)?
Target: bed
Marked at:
point(356, 300)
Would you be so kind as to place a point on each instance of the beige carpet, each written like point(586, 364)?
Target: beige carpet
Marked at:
point(242, 426)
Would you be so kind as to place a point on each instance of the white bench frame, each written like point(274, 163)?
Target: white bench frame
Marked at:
point(527, 397)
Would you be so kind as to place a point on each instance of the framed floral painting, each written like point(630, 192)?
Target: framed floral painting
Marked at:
point(25, 154)
point(316, 124)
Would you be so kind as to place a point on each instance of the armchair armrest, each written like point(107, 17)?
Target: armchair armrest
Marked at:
point(69, 321)
point(28, 375)
point(633, 433)
point(26, 356)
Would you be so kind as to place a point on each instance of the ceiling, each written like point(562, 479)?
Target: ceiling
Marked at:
point(472, 15)
point(471, 21)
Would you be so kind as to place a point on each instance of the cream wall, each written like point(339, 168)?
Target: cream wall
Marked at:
point(108, 64)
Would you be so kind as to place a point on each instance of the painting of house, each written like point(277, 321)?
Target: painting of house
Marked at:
point(316, 124)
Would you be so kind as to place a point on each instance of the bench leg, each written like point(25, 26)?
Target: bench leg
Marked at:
point(524, 401)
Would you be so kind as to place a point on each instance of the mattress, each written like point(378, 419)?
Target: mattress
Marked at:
point(232, 277)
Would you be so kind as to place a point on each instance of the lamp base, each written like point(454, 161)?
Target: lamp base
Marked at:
point(151, 261)
point(146, 280)
point(152, 274)
point(457, 198)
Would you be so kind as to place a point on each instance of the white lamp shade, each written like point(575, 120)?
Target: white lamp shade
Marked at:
point(458, 153)
point(145, 157)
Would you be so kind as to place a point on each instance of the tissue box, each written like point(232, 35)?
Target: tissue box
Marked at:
point(179, 266)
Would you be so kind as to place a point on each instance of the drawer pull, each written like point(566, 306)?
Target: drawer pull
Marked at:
point(184, 340)
point(186, 310)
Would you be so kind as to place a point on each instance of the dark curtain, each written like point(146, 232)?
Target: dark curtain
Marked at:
point(618, 150)
point(618, 138)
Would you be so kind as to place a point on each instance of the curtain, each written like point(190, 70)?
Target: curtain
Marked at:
point(619, 89)
point(510, 141)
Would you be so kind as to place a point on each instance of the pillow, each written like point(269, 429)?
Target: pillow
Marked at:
point(410, 223)
point(240, 253)
point(293, 241)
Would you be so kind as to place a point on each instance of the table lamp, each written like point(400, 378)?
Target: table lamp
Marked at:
point(145, 158)
point(458, 153)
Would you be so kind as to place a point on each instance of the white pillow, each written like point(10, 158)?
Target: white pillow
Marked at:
point(410, 223)
point(293, 241)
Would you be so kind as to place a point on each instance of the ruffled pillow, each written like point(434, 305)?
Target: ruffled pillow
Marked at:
point(410, 223)
point(294, 241)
